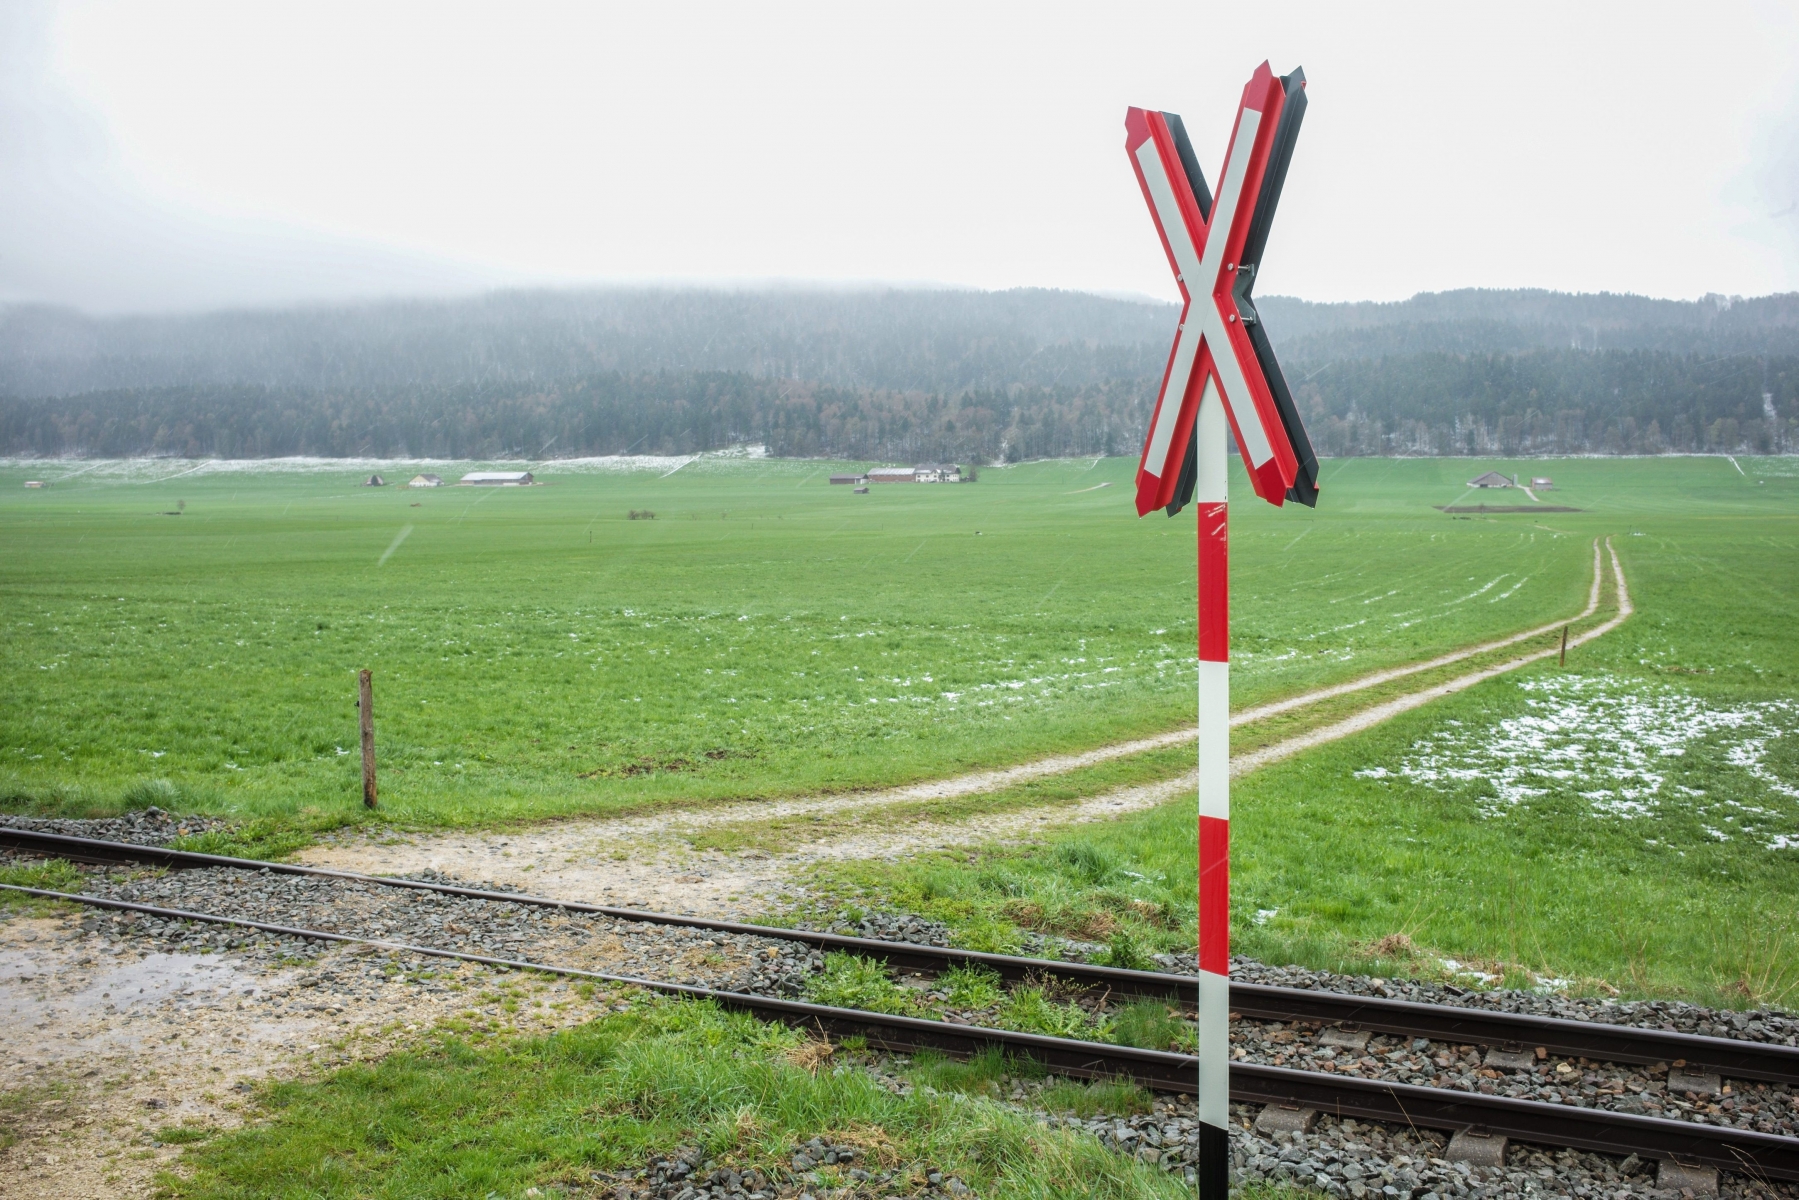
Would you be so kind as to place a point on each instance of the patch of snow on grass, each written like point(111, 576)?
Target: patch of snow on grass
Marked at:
point(1609, 742)
point(1469, 974)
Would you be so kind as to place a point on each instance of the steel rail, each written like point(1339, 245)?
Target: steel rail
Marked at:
point(1758, 1155)
point(1012, 968)
point(1158, 1069)
point(1743, 1151)
point(1732, 1058)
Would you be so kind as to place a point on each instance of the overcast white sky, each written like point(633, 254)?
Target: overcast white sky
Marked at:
point(180, 155)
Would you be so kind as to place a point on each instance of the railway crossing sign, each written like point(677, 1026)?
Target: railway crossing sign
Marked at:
point(1215, 246)
point(1221, 375)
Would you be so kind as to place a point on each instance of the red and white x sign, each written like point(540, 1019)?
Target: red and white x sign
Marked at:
point(1214, 247)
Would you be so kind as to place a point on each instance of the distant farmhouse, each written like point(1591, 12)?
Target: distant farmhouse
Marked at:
point(374, 481)
point(34, 483)
point(425, 481)
point(922, 473)
point(1492, 479)
point(850, 480)
point(1542, 481)
point(496, 479)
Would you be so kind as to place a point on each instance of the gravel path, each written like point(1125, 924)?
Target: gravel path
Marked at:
point(647, 862)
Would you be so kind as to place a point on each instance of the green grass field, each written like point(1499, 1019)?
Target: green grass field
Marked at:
point(536, 652)
point(1630, 823)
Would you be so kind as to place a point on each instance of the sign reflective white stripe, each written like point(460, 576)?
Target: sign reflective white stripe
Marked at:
point(1186, 342)
point(1255, 445)
point(1215, 740)
point(1214, 1049)
point(1168, 210)
point(1168, 417)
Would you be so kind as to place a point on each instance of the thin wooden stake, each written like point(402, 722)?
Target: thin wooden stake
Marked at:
point(366, 711)
point(1564, 645)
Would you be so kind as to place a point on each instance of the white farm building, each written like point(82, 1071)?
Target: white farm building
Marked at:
point(922, 473)
point(496, 479)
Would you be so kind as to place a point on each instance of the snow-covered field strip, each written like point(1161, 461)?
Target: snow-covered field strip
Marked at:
point(159, 470)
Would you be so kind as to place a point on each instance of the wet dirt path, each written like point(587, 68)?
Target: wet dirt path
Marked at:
point(113, 1053)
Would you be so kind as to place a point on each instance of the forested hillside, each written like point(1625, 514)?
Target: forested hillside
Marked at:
point(885, 375)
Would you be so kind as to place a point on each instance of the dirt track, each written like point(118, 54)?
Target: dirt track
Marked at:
point(647, 861)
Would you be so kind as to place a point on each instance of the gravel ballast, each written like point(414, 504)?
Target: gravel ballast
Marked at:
point(1342, 1158)
point(143, 827)
point(494, 928)
point(771, 966)
point(1761, 1025)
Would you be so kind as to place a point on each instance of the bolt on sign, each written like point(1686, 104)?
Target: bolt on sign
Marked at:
point(1221, 375)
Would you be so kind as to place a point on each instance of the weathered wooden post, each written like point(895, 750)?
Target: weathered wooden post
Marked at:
point(365, 704)
point(1564, 645)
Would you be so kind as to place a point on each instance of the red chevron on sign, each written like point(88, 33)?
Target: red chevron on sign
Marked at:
point(1215, 246)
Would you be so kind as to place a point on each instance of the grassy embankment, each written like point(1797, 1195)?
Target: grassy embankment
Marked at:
point(539, 654)
point(455, 1118)
point(1629, 824)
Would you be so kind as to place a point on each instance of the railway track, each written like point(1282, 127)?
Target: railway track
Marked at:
point(1345, 1020)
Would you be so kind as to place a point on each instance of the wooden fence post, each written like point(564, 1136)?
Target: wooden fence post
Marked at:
point(1564, 654)
point(365, 703)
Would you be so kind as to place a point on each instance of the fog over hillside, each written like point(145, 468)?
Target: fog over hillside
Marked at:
point(943, 341)
point(884, 374)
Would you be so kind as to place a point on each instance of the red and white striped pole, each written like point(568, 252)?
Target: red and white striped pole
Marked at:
point(1222, 380)
point(1214, 1031)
